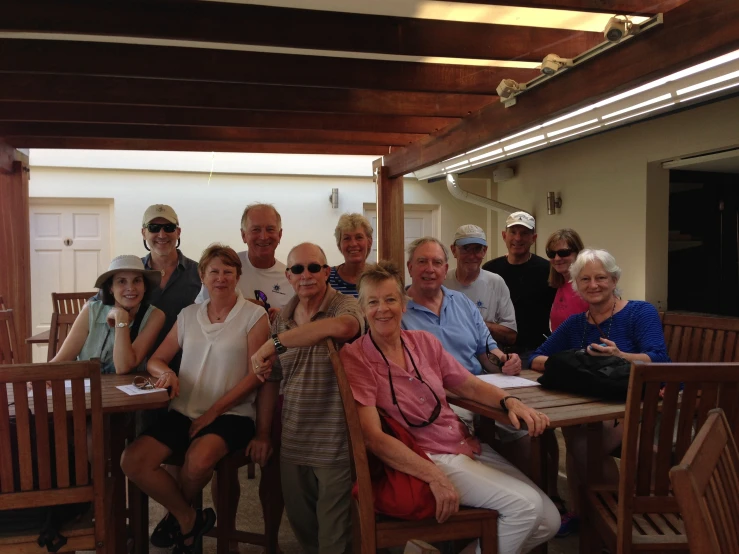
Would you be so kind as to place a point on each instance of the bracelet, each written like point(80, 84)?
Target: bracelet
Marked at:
point(503, 404)
point(164, 373)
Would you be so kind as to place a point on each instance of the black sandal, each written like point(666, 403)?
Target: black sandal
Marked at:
point(204, 522)
point(165, 532)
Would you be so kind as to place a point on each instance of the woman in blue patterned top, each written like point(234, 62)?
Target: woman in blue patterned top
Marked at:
point(121, 328)
point(354, 238)
point(612, 326)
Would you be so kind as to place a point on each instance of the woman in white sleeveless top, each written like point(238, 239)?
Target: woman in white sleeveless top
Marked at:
point(212, 408)
point(120, 329)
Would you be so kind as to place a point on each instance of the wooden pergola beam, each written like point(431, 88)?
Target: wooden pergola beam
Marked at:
point(227, 66)
point(151, 92)
point(390, 216)
point(294, 28)
point(692, 33)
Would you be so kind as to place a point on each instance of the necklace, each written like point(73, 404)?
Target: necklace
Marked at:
point(602, 334)
point(214, 315)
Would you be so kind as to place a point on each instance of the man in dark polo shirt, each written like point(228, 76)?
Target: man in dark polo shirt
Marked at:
point(526, 275)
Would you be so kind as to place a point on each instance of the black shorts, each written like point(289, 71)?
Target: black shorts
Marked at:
point(173, 431)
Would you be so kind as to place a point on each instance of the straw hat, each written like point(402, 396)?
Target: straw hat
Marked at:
point(129, 262)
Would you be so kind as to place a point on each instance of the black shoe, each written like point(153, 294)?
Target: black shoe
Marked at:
point(165, 532)
point(204, 522)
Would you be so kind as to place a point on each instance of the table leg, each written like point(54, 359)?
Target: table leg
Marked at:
point(593, 474)
point(538, 474)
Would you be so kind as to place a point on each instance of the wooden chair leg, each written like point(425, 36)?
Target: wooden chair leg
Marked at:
point(226, 511)
point(270, 497)
point(198, 505)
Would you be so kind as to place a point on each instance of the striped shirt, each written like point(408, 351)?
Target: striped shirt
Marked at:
point(339, 285)
point(313, 425)
point(636, 329)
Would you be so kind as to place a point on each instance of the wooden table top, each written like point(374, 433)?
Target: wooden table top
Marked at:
point(39, 338)
point(114, 400)
point(562, 408)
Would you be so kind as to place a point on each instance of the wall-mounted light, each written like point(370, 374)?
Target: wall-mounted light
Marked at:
point(553, 202)
point(334, 198)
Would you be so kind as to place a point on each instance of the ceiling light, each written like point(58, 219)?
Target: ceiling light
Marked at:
point(553, 63)
point(507, 88)
point(618, 27)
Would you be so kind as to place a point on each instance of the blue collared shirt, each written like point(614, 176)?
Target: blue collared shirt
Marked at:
point(459, 327)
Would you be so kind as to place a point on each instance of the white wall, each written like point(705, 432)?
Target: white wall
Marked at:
point(614, 190)
point(211, 211)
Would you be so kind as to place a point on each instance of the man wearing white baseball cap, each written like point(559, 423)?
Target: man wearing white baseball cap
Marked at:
point(487, 290)
point(526, 275)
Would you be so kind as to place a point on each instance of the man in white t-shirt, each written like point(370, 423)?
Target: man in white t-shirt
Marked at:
point(487, 290)
point(263, 276)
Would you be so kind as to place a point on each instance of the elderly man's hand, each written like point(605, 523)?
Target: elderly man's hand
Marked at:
point(447, 498)
point(512, 365)
point(536, 422)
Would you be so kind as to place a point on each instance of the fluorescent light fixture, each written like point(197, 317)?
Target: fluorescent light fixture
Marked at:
point(566, 129)
point(509, 154)
point(731, 56)
point(486, 155)
point(640, 113)
point(704, 84)
point(568, 116)
point(526, 132)
point(523, 142)
point(708, 92)
point(460, 164)
point(637, 106)
point(488, 161)
point(578, 133)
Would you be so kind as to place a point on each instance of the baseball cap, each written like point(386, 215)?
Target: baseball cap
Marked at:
point(521, 218)
point(160, 210)
point(470, 234)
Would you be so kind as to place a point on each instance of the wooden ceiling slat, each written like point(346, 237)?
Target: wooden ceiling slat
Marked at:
point(150, 92)
point(621, 7)
point(67, 130)
point(60, 112)
point(682, 41)
point(202, 64)
point(190, 146)
point(295, 28)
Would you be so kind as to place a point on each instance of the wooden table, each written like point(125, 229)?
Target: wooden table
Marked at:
point(39, 338)
point(563, 410)
point(118, 410)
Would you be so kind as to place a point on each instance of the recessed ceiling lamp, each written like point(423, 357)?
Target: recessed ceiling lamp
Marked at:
point(553, 63)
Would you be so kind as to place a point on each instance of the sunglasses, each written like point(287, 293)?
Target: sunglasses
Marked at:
point(156, 227)
point(561, 253)
point(142, 383)
point(297, 269)
point(261, 297)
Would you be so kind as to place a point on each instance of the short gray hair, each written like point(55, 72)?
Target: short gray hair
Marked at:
point(374, 274)
point(294, 248)
point(589, 255)
point(423, 240)
point(349, 222)
point(258, 205)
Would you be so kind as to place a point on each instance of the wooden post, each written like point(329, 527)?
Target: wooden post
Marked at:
point(390, 222)
point(15, 242)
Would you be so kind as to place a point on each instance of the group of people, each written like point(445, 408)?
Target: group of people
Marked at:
point(239, 341)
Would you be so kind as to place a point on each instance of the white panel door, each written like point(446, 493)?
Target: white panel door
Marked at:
point(416, 223)
point(70, 247)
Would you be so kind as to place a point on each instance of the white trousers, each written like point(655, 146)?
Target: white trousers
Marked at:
point(526, 516)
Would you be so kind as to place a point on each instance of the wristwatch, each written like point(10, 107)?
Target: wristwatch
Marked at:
point(279, 348)
point(121, 324)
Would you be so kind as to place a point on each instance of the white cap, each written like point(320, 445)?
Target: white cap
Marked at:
point(470, 234)
point(160, 210)
point(521, 218)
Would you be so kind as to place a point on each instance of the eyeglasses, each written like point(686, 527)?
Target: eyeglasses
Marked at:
point(156, 227)
point(142, 383)
point(261, 297)
point(297, 269)
point(493, 358)
point(561, 253)
point(437, 409)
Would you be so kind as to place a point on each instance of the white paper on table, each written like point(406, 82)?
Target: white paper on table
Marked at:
point(133, 390)
point(508, 381)
point(67, 387)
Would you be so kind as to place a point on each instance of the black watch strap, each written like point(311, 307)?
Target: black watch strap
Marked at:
point(279, 348)
point(503, 404)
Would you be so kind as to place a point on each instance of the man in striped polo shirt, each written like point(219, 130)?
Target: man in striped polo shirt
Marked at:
point(316, 477)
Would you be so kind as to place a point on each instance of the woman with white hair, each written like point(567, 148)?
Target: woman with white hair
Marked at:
point(354, 238)
point(611, 326)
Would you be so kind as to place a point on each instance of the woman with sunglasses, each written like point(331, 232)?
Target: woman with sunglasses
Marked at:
point(119, 329)
point(562, 249)
point(354, 239)
point(212, 409)
point(405, 374)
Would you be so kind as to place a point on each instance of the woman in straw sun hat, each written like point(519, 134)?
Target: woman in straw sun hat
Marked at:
point(120, 329)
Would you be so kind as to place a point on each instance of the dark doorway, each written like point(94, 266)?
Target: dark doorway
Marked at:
point(703, 267)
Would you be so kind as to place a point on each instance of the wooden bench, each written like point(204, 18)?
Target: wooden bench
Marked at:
point(692, 338)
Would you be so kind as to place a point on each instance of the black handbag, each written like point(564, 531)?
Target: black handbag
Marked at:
point(576, 371)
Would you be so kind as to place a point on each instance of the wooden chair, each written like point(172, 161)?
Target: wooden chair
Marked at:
point(641, 513)
point(698, 338)
point(706, 485)
point(9, 347)
point(61, 324)
point(35, 487)
point(370, 533)
point(70, 302)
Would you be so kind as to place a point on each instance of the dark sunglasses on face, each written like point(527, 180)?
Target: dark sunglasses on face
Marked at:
point(297, 269)
point(260, 296)
point(156, 227)
point(561, 253)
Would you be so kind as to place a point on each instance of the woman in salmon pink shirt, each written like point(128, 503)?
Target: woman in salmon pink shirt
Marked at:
point(562, 249)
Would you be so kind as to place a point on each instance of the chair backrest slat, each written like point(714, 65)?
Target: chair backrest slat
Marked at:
point(23, 436)
point(696, 338)
point(61, 324)
point(80, 431)
point(6, 460)
point(9, 346)
point(41, 418)
point(61, 437)
point(646, 440)
point(70, 302)
point(664, 459)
